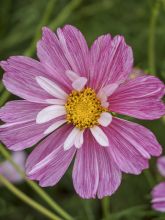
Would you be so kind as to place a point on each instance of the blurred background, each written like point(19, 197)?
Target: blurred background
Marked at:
point(142, 24)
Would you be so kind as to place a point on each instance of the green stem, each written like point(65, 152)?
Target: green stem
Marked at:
point(151, 40)
point(27, 199)
point(149, 177)
point(48, 11)
point(35, 187)
point(64, 14)
point(105, 207)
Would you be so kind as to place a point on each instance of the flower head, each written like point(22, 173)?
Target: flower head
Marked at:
point(70, 97)
point(158, 192)
point(161, 165)
point(9, 171)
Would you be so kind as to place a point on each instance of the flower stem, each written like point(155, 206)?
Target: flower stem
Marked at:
point(149, 178)
point(105, 207)
point(27, 199)
point(35, 187)
point(151, 40)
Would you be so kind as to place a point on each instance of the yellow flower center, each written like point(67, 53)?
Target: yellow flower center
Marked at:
point(83, 108)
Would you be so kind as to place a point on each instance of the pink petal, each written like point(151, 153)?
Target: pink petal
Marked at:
point(109, 173)
point(56, 160)
point(161, 165)
point(131, 145)
point(75, 48)
point(53, 58)
point(20, 111)
point(23, 135)
point(111, 61)
point(140, 98)
point(85, 171)
point(55, 101)
point(94, 172)
point(20, 75)
point(21, 130)
point(158, 197)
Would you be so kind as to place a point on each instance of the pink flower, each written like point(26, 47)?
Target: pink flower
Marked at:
point(9, 171)
point(158, 197)
point(158, 192)
point(161, 165)
point(70, 96)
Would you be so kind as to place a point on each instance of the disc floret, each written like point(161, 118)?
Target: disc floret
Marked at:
point(83, 108)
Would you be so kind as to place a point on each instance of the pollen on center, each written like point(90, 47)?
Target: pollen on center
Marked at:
point(83, 108)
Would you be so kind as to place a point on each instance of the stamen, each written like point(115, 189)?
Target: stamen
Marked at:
point(83, 108)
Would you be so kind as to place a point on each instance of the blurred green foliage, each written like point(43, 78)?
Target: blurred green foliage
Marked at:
point(19, 22)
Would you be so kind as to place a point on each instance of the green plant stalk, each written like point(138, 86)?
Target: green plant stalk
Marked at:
point(105, 207)
point(27, 199)
point(151, 40)
point(64, 14)
point(94, 8)
point(35, 187)
point(151, 181)
point(48, 11)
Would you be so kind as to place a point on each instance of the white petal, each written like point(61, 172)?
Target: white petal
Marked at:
point(101, 95)
point(69, 142)
point(49, 113)
point(51, 87)
point(72, 75)
point(105, 119)
point(79, 83)
point(56, 101)
point(103, 98)
point(54, 126)
point(100, 136)
point(79, 139)
point(109, 89)
point(105, 104)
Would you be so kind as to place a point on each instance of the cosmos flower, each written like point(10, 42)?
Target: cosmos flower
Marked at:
point(161, 165)
point(70, 97)
point(158, 192)
point(7, 170)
